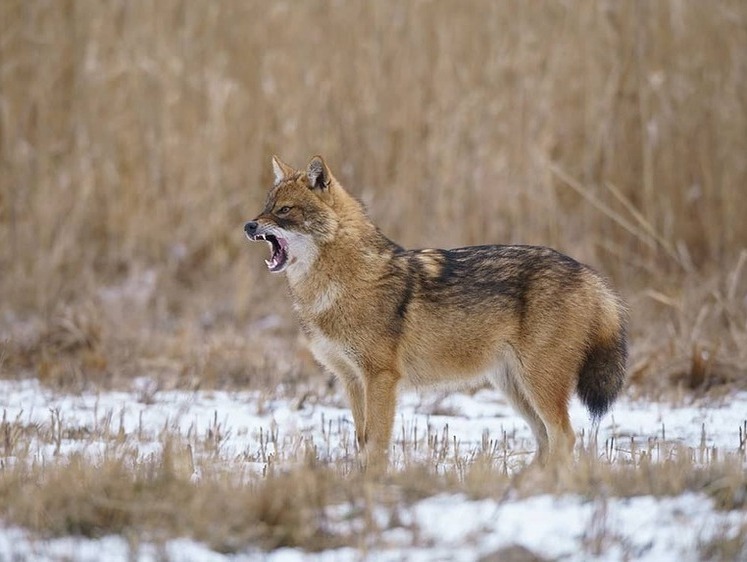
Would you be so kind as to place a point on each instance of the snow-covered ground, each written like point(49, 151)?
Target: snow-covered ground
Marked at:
point(252, 427)
point(455, 528)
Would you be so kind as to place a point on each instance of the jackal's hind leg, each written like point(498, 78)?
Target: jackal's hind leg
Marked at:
point(550, 394)
point(515, 397)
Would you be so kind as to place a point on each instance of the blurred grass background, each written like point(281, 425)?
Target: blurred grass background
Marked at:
point(135, 140)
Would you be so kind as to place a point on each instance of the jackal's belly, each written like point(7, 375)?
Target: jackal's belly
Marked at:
point(458, 359)
point(459, 370)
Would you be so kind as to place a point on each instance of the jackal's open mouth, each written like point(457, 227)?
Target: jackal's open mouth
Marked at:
point(278, 251)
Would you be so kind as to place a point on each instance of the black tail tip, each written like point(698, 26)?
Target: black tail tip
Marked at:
point(597, 406)
point(602, 376)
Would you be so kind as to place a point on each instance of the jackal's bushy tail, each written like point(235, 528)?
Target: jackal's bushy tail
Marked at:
point(602, 374)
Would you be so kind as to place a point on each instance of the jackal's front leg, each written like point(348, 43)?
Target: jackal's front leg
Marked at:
point(380, 400)
point(354, 390)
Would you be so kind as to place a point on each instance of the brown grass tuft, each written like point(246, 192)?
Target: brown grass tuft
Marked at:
point(305, 504)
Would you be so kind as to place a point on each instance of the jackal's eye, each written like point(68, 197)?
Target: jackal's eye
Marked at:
point(284, 210)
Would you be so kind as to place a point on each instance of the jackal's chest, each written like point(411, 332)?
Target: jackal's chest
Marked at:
point(315, 301)
point(337, 356)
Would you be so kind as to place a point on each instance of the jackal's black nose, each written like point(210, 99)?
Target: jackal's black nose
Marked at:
point(251, 228)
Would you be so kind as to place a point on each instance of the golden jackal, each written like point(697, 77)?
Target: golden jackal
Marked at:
point(535, 323)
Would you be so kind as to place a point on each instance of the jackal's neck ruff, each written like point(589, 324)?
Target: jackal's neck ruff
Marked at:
point(351, 249)
point(341, 267)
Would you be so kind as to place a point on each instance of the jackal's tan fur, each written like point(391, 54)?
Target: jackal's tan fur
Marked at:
point(535, 323)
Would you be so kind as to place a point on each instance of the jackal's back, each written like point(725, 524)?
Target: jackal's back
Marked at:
point(528, 304)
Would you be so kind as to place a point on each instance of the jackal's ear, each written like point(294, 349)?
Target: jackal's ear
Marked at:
point(318, 173)
point(281, 169)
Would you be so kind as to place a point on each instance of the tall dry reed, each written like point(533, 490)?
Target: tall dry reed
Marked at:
point(135, 137)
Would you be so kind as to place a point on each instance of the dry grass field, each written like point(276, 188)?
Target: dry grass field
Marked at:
point(135, 140)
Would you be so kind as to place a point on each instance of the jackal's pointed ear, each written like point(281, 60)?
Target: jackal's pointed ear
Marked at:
point(281, 169)
point(318, 173)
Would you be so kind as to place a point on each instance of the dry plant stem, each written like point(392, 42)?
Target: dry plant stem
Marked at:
point(233, 510)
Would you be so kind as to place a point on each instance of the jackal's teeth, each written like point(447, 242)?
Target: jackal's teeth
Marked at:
point(269, 263)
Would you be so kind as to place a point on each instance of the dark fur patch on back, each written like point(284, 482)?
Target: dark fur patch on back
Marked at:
point(401, 279)
point(406, 296)
point(468, 275)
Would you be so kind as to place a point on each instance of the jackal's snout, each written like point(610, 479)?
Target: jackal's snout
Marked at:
point(278, 245)
point(250, 228)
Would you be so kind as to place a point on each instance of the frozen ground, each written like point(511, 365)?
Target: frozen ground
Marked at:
point(253, 427)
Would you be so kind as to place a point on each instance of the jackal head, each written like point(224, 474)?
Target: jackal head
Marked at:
point(298, 216)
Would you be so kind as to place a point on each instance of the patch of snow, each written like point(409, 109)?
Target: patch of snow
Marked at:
point(18, 544)
point(639, 528)
point(247, 428)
